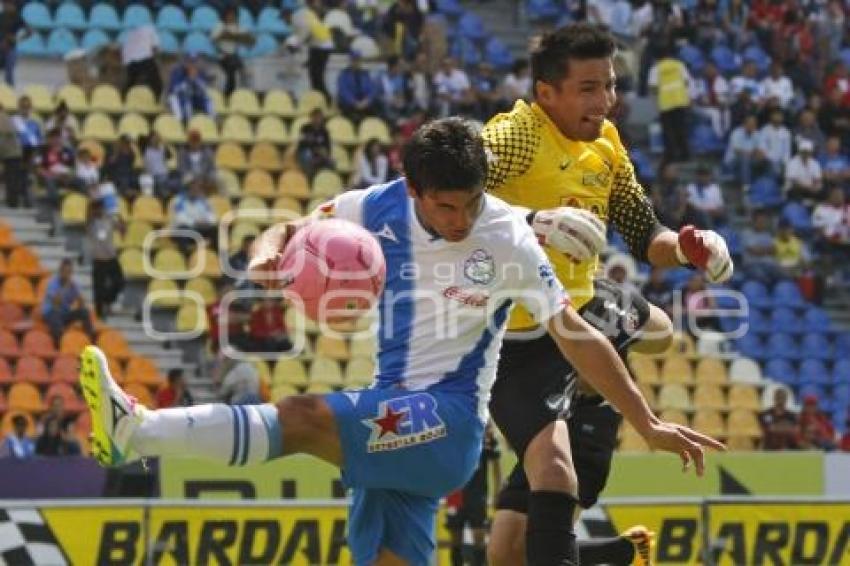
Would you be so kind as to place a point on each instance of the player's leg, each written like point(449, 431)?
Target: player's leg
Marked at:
point(475, 510)
point(507, 533)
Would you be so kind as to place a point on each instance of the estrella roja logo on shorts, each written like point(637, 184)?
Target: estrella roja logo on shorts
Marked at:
point(405, 421)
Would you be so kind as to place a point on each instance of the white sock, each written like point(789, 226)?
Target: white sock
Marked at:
point(231, 434)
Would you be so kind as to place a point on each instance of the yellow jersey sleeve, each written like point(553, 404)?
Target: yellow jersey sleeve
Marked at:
point(511, 141)
point(630, 210)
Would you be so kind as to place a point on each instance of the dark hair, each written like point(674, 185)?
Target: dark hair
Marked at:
point(550, 60)
point(19, 420)
point(519, 65)
point(66, 261)
point(174, 374)
point(445, 155)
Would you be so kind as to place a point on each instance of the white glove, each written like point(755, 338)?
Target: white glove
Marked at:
point(574, 232)
point(706, 250)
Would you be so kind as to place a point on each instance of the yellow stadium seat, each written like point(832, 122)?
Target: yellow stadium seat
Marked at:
point(74, 98)
point(648, 392)
point(170, 263)
point(272, 129)
point(709, 396)
point(132, 264)
point(326, 371)
point(99, 126)
point(74, 208)
point(41, 98)
point(327, 183)
point(106, 98)
point(286, 208)
point(711, 370)
point(220, 205)
point(709, 422)
point(218, 103)
point(631, 440)
point(191, 318)
point(320, 388)
point(8, 97)
point(374, 128)
point(676, 416)
point(293, 183)
point(315, 203)
point(238, 232)
point(204, 287)
point(359, 372)
point(342, 131)
point(264, 156)
point(230, 182)
point(134, 125)
point(253, 209)
point(289, 371)
point(742, 396)
point(144, 371)
point(743, 422)
point(309, 100)
point(230, 156)
point(278, 103)
point(364, 347)
point(163, 294)
point(674, 396)
point(24, 397)
point(259, 183)
point(677, 369)
point(135, 234)
point(237, 129)
point(682, 344)
point(644, 368)
point(742, 443)
point(98, 152)
point(244, 101)
point(123, 209)
point(170, 129)
point(745, 370)
point(342, 160)
point(148, 209)
point(282, 391)
point(211, 264)
point(205, 126)
point(140, 98)
point(332, 347)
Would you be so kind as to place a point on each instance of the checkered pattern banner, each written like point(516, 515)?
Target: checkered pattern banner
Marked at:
point(26, 539)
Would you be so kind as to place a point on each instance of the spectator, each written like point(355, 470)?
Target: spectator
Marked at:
point(706, 20)
point(779, 424)
point(454, 90)
point(743, 154)
point(671, 200)
point(67, 125)
point(314, 144)
point(759, 250)
point(187, 92)
point(268, 328)
point(175, 393)
point(138, 54)
point(107, 275)
point(309, 29)
point(488, 95)
point(30, 137)
point(197, 163)
point(55, 410)
point(803, 176)
point(517, 83)
point(356, 92)
point(700, 308)
point(747, 81)
point(775, 142)
point(791, 253)
point(658, 291)
point(834, 164)
point(121, 168)
point(705, 196)
point(12, 28)
point(808, 129)
point(671, 83)
point(63, 303)
point(228, 37)
point(17, 444)
point(13, 165)
point(240, 384)
point(105, 193)
point(735, 19)
point(743, 105)
point(156, 157)
point(837, 84)
point(373, 165)
point(403, 25)
point(87, 173)
point(56, 167)
point(227, 319)
point(393, 91)
point(55, 439)
point(777, 86)
point(712, 99)
point(831, 220)
point(834, 118)
point(421, 84)
point(816, 430)
point(238, 262)
point(192, 211)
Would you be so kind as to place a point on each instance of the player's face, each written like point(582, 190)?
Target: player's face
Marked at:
point(450, 214)
point(579, 104)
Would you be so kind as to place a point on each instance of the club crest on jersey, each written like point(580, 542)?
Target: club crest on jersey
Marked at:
point(405, 421)
point(480, 267)
point(544, 270)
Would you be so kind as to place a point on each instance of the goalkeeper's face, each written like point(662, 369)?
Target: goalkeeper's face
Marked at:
point(579, 103)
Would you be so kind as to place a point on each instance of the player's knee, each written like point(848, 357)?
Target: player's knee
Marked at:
point(301, 416)
point(557, 475)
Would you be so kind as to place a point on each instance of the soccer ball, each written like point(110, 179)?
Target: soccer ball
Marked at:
point(332, 270)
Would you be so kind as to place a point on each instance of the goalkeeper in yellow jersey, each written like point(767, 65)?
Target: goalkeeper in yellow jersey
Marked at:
point(561, 159)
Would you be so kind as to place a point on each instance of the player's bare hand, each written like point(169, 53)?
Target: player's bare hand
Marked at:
point(688, 444)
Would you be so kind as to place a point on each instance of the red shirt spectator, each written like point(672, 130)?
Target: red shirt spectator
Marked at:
point(816, 430)
point(235, 318)
point(175, 394)
point(267, 320)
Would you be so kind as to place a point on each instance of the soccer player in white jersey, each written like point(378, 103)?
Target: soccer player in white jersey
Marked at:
point(415, 435)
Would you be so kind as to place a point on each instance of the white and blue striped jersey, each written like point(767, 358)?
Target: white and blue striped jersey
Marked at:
point(445, 304)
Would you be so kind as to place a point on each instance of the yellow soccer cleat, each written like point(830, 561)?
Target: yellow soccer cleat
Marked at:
point(642, 539)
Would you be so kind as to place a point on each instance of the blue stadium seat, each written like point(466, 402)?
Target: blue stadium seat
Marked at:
point(498, 54)
point(787, 294)
point(450, 8)
point(814, 371)
point(784, 320)
point(136, 15)
point(32, 45)
point(204, 19)
point(756, 294)
point(540, 10)
point(765, 192)
point(704, 140)
point(61, 41)
point(71, 16)
point(781, 370)
point(751, 345)
point(678, 277)
point(270, 22)
point(616, 240)
point(817, 346)
point(199, 43)
point(104, 16)
point(172, 18)
point(471, 27)
point(692, 57)
point(643, 165)
point(265, 45)
point(725, 59)
point(758, 56)
point(465, 52)
point(842, 342)
point(782, 346)
point(817, 320)
point(37, 16)
point(841, 391)
point(733, 240)
point(94, 39)
point(246, 19)
point(799, 217)
point(168, 42)
point(759, 323)
point(806, 389)
point(845, 56)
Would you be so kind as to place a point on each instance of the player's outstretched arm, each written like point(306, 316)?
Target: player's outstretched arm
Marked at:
point(595, 359)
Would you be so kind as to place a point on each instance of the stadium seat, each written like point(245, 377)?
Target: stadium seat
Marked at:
point(286, 208)
point(269, 21)
point(244, 102)
point(210, 267)
point(342, 131)
point(60, 41)
point(765, 193)
point(163, 294)
point(5, 379)
point(9, 347)
point(205, 126)
point(271, 129)
point(230, 156)
point(497, 54)
point(170, 129)
point(73, 342)
point(743, 422)
point(709, 422)
point(141, 99)
point(37, 16)
point(32, 369)
point(265, 156)
point(7, 236)
point(253, 209)
point(144, 371)
point(711, 370)
point(199, 43)
point(334, 348)
point(692, 57)
point(24, 261)
point(751, 346)
point(787, 294)
point(114, 344)
point(204, 288)
point(17, 290)
point(783, 319)
point(241, 229)
point(141, 393)
point(259, 183)
point(677, 369)
point(756, 54)
point(41, 98)
point(451, 8)
point(217, 100)
point(24, 397)
point(327, 184)
point(782, 346)
point(373, 128)
point(674, 396)
point(709, 396)
point(148, 209)
point(135, 234)
point(677, 416)
point(325, 371)
point(813, 371)
point(728, 63)
point(798, 216)
point(308, 101)
point(743, 396)
point(745, 370)
point(631, 440)
point(132, 264)
point(289, 371)
point(756, 293)
point(817, 320)
point(293, 183)
point(781, 370)
point(359, 372)
point(172, 18)
point(136, 15)
point(237, 129)
point(320, 388)
point(816, 345)
point(103, 16)
point(191, 319)
point(74, 97)
point(278, 103)
point(12, 317)
point(265, 45)
point(204, 19)
point(841, 372)
point(471, 27)
point(99, 127)
point(342, 160)
point(65, 370)
point(71, 401)
point(170, 263)
point(711, 343)
point(106, 98)
point(133, 125)
point(465, 51)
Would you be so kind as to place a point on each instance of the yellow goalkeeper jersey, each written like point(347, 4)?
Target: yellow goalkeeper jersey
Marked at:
point(532, 164)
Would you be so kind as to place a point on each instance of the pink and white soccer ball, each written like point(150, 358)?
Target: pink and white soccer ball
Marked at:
point(334, 270)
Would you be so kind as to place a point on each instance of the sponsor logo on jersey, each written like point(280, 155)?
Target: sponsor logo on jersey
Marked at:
point(544, 270)
point(480, 267)
point(468, 297)
point(595, 178)
point(405, 421)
